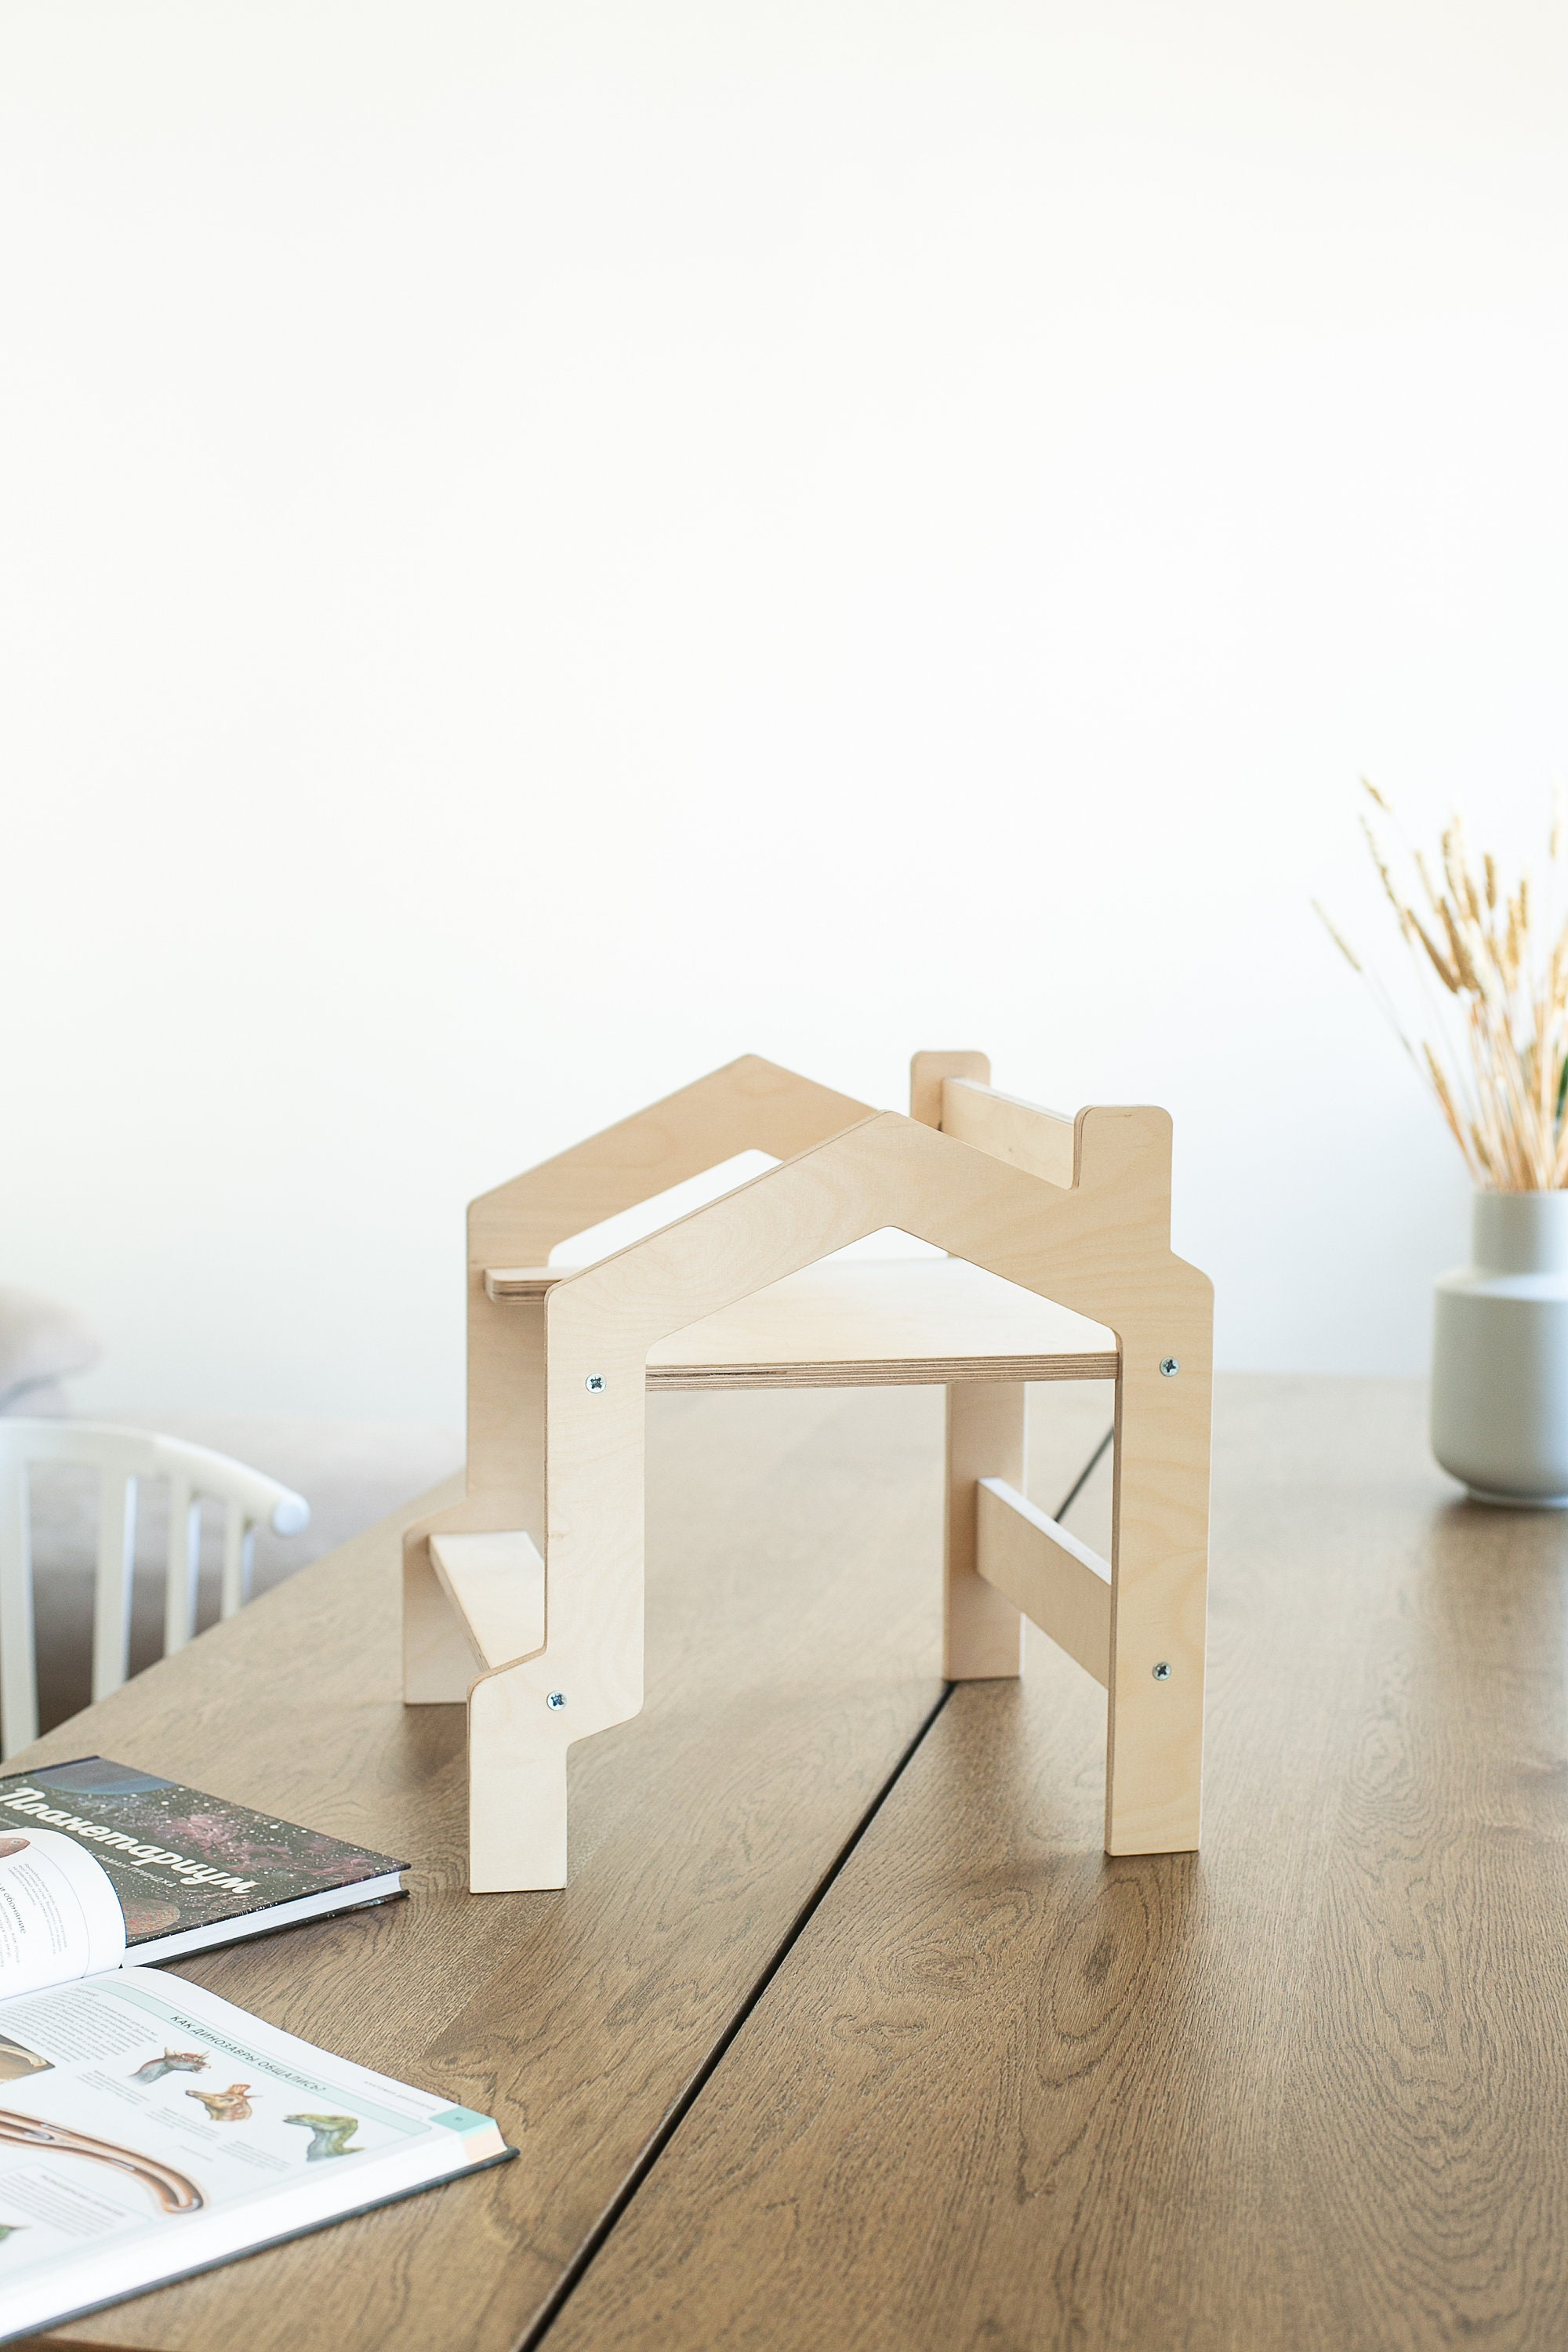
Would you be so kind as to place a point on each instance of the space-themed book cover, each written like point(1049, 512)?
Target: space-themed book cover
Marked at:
point(190, 1870)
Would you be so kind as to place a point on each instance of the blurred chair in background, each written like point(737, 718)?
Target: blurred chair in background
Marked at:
point(41, 1344)
point(122, 1457)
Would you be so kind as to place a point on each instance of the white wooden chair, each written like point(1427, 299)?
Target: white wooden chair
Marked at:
point(122, 1457)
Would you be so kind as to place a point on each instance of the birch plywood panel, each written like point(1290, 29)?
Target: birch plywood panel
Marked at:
point(750, 1105)
point(1022, 1133)
point(1101, 1248)
point(987, 1432)
point(912, 1321)
point(1052, 1225)
point(849, 1323)
point(1058, 1582)
point(928, 1069)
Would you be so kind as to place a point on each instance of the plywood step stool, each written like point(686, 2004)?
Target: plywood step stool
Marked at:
point(526, 1599)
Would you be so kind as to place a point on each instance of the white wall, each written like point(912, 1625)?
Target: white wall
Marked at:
point(546, 545)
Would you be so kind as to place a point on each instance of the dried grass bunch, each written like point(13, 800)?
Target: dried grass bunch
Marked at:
point(1501, 1081)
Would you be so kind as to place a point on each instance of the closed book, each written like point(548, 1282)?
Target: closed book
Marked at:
point(188, 1870)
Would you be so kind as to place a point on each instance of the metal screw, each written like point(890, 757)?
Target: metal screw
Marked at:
point(597, 1381)
point(1169, 1367)
point(1161, 1675)
point(557, 1699)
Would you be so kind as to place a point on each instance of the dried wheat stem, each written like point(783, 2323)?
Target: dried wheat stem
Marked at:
point(1501, 1083)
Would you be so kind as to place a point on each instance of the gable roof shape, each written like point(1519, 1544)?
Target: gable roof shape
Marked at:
point(747, 1105)
point(1096, 1247)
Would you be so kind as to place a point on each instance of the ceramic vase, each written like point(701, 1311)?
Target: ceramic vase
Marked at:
point(1500, 1356)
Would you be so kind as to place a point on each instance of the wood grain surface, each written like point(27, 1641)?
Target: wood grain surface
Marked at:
point(795, 1550)
point(1304, 2090)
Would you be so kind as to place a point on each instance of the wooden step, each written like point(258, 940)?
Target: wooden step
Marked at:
point(496, 1584)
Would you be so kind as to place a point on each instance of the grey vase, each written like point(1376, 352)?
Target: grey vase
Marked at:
point(1500, 1355)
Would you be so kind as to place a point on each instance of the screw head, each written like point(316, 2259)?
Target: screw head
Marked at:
point(1169, 1367)
point(557, 1699)
point(597, 1383)
point(1162, 1674)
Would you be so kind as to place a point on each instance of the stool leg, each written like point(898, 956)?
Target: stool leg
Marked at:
point(517, 1787)
point(1155, 1745)
point(505, 1488)
point(983, 1633)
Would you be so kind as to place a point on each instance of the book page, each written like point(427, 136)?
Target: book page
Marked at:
point(59, 1915)
point(147, 2126)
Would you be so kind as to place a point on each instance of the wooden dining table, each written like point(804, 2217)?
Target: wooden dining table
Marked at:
point(845, 2033)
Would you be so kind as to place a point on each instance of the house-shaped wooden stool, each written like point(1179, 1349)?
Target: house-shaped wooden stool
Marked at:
point(526, 1599)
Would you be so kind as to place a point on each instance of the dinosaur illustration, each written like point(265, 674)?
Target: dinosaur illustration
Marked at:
point(230, 2106)
point(16, 2059)
point(173, 2062)
point(329, 2135)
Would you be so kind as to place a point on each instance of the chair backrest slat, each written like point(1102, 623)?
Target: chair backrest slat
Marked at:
point(122, 1457)
point(238, 1559)
point(184, 1562)
point(18, 1658)
point(112, 1596)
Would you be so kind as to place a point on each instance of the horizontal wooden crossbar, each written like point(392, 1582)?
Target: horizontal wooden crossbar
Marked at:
point(1025, 1134)
point(869, 1323)
point(1060, 1585)
point(496, 1584)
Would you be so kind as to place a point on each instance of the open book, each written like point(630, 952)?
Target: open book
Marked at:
point(148, 2129)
